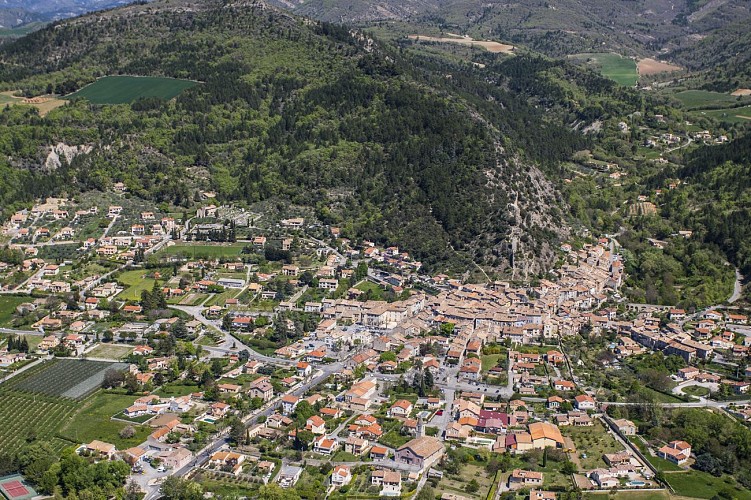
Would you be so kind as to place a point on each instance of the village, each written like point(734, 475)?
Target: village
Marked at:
point(270, 354)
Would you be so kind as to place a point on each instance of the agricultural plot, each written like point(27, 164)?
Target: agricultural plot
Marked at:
point(126, 89)
point(23, 415)
point(694, 99)
point(66, 378)
point(730, 115)
point(614, 66)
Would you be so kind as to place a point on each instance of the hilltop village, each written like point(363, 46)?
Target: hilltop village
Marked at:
point(241, 351)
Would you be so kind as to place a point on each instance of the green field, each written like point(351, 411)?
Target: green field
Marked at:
point(376, 292)
point(490, 360)
point(136, 282)
point(218, 299)
point(126, 89)
point(729, 115)
point(8, 306)
point(115, 352)
point(93, 421)
point(614, 66)
point(705, 98)
point(206, 251)
point(696, 484)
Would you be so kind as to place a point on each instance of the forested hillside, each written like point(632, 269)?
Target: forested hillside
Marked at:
point(377, 141)
point(724, 57)
point(717, 198)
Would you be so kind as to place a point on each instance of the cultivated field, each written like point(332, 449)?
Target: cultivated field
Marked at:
point(126, 89)
point(39, 404)
point(26, 415)
point(730, 115)
point(653, 67)
point(704, 98)
point(614, 66)
point(495, 47)
point(64, 378)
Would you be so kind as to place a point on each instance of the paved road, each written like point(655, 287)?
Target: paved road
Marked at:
point(228, 341)
point(13, 331)
point(678, 389)
point(220, 440)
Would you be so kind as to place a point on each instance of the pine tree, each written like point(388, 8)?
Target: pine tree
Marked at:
point(429, 382)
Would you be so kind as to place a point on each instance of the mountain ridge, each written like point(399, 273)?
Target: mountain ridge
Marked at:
point(559, 28)
point(378, 143)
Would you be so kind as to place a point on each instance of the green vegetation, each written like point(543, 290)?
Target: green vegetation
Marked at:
point(372, 290)
point(697, 99)
point(372, 111)
point(594, 442)
point(21, 30)
point(199, 251)
point(110, 351)
point(697, 484)
point(93, 421)
point(719, 177)
point(614, 66)
point(629, 495)
point(126, 89)
point(721, 445)
point(491, 360)
point(67, 378)
point(8, 304)
point(138, 281)
point(696, 390)
point(26, 416)
point(729, 115)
